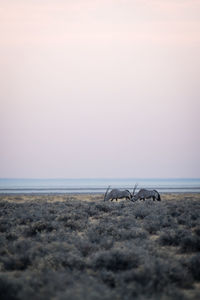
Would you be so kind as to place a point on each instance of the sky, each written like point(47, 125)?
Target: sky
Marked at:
point(99, 88)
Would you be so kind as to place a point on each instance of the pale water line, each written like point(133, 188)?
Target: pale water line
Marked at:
point(96, 185)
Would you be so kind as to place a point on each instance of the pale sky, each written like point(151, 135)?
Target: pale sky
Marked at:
point(99, 88)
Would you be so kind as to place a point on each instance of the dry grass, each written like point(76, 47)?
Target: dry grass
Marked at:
point(86, 197)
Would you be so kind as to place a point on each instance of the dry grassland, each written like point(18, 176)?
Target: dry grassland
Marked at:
point(79, 247)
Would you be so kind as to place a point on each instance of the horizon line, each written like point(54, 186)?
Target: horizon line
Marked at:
point(86, 178)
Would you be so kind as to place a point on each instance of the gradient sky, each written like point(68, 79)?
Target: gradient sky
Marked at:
point(99, 88)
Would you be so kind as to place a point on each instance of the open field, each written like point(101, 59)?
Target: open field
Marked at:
point(79, 247)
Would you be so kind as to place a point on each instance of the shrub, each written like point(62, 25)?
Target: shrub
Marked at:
point(173, 237)
point(104, 207)
point(190, 244)
point(8, 288)
point(16, 262)
point(116, 260)
point(197, 231)
point(86, 247)
point(141, 211)
point(38, 227)
point(194, 266)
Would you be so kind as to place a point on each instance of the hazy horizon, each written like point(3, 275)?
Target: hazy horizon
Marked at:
point(99, 89)
point(94, 178)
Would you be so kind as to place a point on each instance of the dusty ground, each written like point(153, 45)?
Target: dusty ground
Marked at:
point(86, 197)
point(78, 247)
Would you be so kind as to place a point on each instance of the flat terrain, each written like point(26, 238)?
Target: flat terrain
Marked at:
point(79, 247)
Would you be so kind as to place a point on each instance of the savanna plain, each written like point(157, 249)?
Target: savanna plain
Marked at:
point(79, 247)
